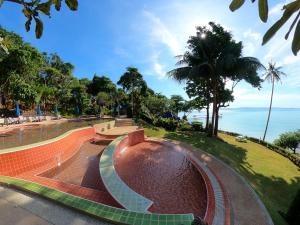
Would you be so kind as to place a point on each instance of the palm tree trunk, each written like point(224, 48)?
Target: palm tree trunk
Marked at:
point(207, 117)
point(211, 132)
point(270, 107)
point(216, 127)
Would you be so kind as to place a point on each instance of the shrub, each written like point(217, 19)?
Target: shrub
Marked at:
point(184, 126)
point(167, 123)
point(293, 214)
point(289, 140)
point(197, 126)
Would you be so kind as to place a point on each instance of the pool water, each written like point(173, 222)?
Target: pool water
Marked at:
point(29, 134)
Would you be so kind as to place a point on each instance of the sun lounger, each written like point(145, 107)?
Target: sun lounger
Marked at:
point(22, 119)
point(241, 138)
point(2, 121)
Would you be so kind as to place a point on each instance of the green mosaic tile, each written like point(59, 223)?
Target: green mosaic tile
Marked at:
point(102, 211)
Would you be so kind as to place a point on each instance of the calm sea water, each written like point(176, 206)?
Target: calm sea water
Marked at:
point(252, 121)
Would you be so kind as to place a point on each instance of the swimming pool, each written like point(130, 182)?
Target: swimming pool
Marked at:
point(32, 133)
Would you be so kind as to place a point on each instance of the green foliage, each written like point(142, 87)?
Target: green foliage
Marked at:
point(167, 123)
point(33, 8)
point(293, 214)
point(289, 140)
point(289, 10)
point(134, 84)
point(197, 126)
point(101, 84)
point(177, 103)
point(183, 125)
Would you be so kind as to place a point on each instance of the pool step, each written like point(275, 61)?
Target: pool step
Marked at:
point(124, 122)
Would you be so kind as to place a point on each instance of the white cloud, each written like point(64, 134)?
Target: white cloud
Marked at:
point(290, 59)
point(161, 33)
point(252, 34)
point(159, 70)
point(276, 10)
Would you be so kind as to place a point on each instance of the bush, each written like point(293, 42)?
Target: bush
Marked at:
point(197, 126)
point(184, 126)
point(293, 214)
point(289, 140)
point(167, 123)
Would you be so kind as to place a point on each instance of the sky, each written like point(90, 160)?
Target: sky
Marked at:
point(105, 37)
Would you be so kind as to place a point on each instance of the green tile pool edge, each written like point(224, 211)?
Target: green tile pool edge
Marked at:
point(101, 211)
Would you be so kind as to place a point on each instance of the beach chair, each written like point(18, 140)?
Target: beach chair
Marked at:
point(241, 138)
point(22, 119)
point(2, 122)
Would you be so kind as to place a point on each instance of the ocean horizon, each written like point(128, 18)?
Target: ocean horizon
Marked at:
point(251, 121)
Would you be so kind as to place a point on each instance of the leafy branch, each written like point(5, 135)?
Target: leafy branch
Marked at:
point(33, 8)
point(290, 9)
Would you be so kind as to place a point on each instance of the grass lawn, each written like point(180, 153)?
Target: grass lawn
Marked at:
point(274, 178)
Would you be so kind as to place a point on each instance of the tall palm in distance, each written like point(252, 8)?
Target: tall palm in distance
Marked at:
point(273, 74)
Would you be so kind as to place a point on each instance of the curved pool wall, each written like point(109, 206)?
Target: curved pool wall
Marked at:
point(217, 209)
point(20, 166)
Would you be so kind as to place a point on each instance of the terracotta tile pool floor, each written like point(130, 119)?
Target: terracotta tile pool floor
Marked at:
point(78, 176)
point(164, 176)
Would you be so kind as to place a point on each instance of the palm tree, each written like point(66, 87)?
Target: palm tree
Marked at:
point(215, 57)
point(273, 74)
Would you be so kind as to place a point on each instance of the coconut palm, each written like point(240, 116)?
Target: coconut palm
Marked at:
point(214, 56)
point(273, 74)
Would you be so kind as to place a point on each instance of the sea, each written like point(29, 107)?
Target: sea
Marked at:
point(252, 121)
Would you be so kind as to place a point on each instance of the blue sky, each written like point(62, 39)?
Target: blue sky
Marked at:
point(104, 37)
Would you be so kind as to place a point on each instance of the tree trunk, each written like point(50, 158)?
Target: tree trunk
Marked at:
point(216, 127)
point(214, 106)
point(270, 107)
point(207, 117)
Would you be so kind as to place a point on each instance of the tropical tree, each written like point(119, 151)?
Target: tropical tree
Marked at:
point(214, 55)
point(33, 8)
point(289, 140)
point(273, 74)
point(101, 84)
point(177, 103)
point(200, 90)
point(289, 9)
point(132, 82)
point(102, 100)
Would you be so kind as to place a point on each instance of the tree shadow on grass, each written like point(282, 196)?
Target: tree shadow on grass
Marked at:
point(276, 192)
